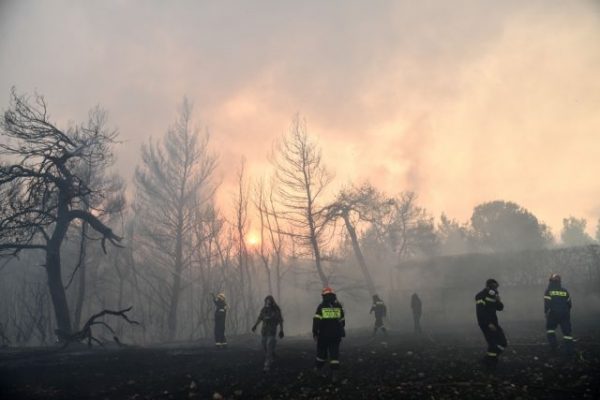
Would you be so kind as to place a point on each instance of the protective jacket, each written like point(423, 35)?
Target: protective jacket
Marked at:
point(557, 301)
point(271, 318)
point(379, 309)
point(329, 322)
point(487, 302)
point(220, 309)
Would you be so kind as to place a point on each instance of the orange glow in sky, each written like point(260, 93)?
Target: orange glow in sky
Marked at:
point(461, 102)
point(252, 239)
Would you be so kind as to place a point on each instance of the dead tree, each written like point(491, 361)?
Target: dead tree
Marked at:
point(362, 203)
point(42, 193)
point(86, 332)
point(243, 257)
point(271, 237)
point(174, 178)
point(301, 179)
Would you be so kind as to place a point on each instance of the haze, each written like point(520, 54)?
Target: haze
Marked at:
point(462, 102)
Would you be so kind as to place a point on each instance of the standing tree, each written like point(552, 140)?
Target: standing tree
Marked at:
point(174, 179)
point(271, 237)
point(455, 238)
point(111, 203)
point(363, 204)
point(42, 193)
point(244, 293)
point(410, 229)
point(300, 180)
point(506, 226)
point(573, 232)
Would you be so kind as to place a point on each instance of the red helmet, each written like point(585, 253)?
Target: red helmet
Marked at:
point(555, 278)
point(327, 290)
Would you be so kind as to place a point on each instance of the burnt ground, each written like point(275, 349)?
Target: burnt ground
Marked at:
point(439, 366)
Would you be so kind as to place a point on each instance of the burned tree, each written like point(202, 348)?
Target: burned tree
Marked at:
point(407, 229)
point(271, 236)
point(360, 204)
point(109, 205)
point(173, 181)
point(41, 190)
point(300, 180)
point(86, 332)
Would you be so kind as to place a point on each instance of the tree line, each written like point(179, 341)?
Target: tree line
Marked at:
point(73, 243)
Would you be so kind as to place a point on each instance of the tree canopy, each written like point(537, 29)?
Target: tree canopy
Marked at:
point(506, 226)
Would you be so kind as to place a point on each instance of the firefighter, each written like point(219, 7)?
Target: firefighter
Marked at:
point(328, 331)
point(416, 306)
point(557, 307)
point(270, 316)
point(220, 314)
point(380, 311)
point(487, 302)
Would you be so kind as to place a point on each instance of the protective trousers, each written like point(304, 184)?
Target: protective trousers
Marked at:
point(220, 331)
point(552, 322)
point(328, 347)
point(496, 341)
point(417, 321)
point(379, 325)
point(268, 343)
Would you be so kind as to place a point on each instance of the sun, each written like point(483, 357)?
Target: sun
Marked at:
point(252, 239)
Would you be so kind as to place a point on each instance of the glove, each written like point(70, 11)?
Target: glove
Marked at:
point(254, 328)
point(280, 334)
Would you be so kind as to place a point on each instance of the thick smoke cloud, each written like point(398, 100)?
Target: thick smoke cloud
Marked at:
point(462, 102)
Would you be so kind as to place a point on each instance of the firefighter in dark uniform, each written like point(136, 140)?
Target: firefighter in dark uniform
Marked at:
point(417, 309)
point(557, 307)
point(380, 311)
point(220, 314)
point(487, 302)
point(328, 331)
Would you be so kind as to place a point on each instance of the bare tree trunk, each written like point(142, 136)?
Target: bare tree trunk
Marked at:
point(172, 318)
point(277, 244)
point(176, 287)
point(278, 279)
point(57, 290)
point(53, 268)
point(358, 253)
point(81, 270)
point(264, 256)
point(268, 274)
point(301, 180)
point(315, 247)
point(250, 313)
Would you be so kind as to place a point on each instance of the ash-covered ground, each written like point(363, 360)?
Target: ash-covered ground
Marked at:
point(439, 365)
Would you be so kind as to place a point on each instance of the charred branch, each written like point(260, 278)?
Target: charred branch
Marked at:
point(86, 332)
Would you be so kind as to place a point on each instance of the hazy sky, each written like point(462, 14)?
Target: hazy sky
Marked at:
point(460, 101)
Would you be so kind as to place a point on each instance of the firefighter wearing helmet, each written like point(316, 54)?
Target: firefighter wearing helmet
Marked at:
point(380, 311)
point(487, 303)
point(328, 331)
point(220, 314)
point(557, 308)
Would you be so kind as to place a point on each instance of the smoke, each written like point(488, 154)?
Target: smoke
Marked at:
point(462, 102)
